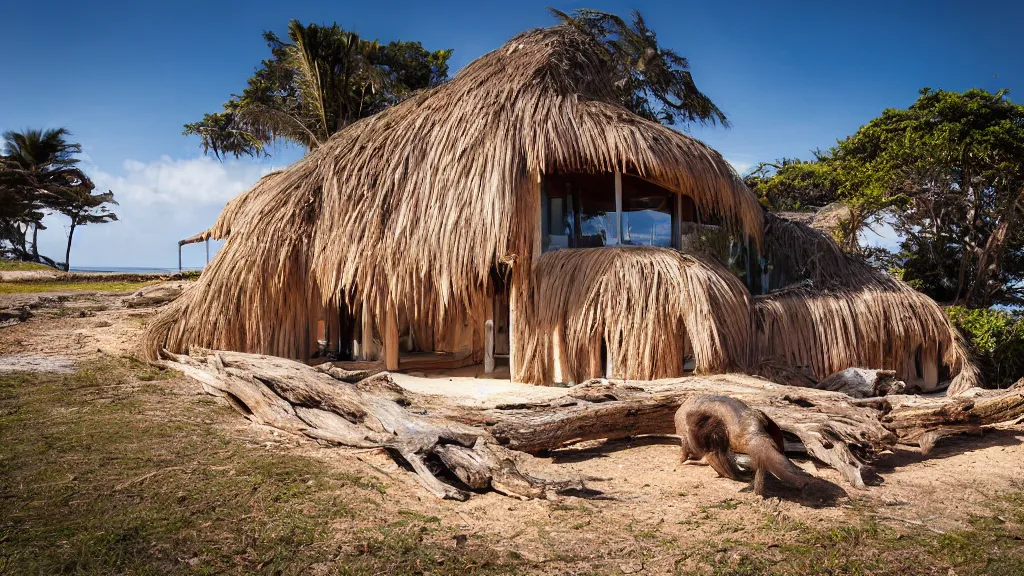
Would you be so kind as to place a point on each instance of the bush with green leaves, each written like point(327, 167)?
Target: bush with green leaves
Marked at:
point(996, 339)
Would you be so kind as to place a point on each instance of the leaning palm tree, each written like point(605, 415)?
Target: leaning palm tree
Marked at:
point(40, 173)
point(652, 81)
point(38, 165)
point(333, 71)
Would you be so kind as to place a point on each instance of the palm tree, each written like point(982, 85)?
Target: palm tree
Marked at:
point(652, 81)
point(40, 172)
point(333, 70)
point(38, 165)
point(320, 81)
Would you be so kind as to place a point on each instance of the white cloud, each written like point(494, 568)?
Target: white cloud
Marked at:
point(196, 181)
point(160, 203)
point(742, 168)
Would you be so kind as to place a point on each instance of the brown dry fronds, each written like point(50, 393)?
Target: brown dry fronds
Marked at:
point(417, 204)
point(648, 308)
point(844, 313)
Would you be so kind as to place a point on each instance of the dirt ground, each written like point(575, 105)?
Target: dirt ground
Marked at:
point(960, 511)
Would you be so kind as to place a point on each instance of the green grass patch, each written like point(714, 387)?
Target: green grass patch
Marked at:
point(19, 266)
point(59, 286)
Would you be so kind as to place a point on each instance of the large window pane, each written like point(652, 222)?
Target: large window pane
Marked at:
point(578, 211)
point(597, 217)
point(647, 213)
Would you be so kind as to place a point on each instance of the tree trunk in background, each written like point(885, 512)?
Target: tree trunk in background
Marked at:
point(35, 241)
point(67, 254)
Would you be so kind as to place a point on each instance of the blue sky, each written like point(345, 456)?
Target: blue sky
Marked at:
point(124, 77)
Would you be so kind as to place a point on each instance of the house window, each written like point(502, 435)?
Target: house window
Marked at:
point(597, 216)
point(593, 210)
point(648, 214)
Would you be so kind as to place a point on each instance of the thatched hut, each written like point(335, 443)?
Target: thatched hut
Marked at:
point(516, 210)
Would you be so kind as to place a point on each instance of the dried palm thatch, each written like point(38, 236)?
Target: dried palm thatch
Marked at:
point(415, 206)
point(648, 308)
point(843, 314)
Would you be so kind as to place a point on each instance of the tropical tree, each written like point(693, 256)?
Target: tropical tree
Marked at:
point(37, 166)
point(39, 174)
point(833, 176)
point(794, 184)
point(948, 174)
point(959, 157)
point(651, 80)
point(83, 207)
point(320, 81)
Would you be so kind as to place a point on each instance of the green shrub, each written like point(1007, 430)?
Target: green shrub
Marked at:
point(996, 339)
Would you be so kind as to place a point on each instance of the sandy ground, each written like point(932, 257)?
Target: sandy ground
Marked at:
point(21, 275)
point(642, 484)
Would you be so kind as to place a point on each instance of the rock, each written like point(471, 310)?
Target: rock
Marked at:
point(156, 294)
point(102, 324)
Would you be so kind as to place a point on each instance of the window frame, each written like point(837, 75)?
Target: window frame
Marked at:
point(572, 202)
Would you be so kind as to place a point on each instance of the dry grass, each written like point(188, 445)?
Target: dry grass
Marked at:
point(19, 266)
point(107, 472)
point(123, 469)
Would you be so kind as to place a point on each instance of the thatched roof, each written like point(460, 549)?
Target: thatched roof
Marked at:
point(827, 218)
point(839, 312)
point(651, 308)
point(418, 203)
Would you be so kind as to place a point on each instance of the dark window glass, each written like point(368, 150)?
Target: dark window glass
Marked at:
point(558, 220)
point(597, 216)
point(647, 213)
point(578, 211)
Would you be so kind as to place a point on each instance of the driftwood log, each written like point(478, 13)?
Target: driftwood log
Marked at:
point(446, 442)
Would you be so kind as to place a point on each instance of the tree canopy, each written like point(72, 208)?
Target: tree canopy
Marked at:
point(39, 174)
point(313, 85)
point(653, 81)
point(947, 173)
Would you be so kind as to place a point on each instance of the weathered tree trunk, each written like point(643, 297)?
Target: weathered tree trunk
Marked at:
point(479, 445)
point(863, 383)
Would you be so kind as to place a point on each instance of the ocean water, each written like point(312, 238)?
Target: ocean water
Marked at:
point(128, 269)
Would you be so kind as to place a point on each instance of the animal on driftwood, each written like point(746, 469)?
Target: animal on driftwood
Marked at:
point(719, 428)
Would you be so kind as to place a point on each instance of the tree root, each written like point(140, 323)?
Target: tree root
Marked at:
point(455, 449)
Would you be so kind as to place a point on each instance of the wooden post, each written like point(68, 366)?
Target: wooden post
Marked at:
point(487, 328)
point(207, 251)
point(356, 326)
point(522, 276)
point(609, 370)
point(618, 206)
point(489, 346)
point(391, 337)
point(368, 347)
point(595, 370)
point(556, 351)
point(179, 256)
